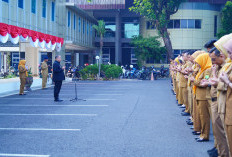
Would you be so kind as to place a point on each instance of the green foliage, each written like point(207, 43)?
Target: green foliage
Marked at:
point(10, 75)
point(226, 20)
point(146, 48)
point(157, 10)
point(111, 71)
point(89, 71)
point(100, 28)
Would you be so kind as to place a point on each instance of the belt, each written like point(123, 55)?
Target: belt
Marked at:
point(214, 99)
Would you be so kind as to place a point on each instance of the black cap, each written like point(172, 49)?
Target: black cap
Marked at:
point(210, 43)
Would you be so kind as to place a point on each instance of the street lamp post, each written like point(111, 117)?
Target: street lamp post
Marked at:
point(98, 63)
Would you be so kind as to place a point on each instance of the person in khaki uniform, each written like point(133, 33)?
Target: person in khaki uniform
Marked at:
point(226, 77)
point(44, 69)
point(204, 62)
point(221, 146)
point(22, 75)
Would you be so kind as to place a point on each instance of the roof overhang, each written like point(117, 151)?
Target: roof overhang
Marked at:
point(81, 12)
point(70, 45)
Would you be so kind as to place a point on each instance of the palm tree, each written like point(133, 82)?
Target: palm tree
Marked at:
point(100, 28)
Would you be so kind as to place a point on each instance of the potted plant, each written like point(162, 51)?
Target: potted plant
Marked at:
point(29, 80)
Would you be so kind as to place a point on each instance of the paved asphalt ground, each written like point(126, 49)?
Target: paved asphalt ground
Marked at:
point(119, 119)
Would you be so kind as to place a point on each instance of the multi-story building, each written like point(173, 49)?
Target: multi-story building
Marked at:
point(54, 17)
point(196, 22)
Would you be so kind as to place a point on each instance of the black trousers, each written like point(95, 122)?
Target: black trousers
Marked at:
point(57, 88)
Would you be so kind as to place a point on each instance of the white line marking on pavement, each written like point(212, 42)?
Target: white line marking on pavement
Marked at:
point(71, 94)
point(19, 114)
point(24, 155)
point(54, 105)
point(24, 98)
point(39, 129)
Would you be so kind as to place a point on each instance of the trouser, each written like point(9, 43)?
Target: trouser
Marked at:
point(196, 116)
point(177, 90)
point(218, 131)
point(229, 136)
point(44, 81)
point(57, 88)
point(203, 106)
point(22, 85)
point(181, 96)
point(185, 98)
point(174, 85)
point(190, 100)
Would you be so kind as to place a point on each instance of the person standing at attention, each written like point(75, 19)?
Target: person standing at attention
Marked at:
point(44, 69)
point(22, 75)
point(58, 77)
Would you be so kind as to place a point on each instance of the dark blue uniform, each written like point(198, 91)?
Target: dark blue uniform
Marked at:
point(58, 77)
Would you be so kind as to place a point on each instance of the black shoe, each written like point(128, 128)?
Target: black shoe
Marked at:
point(201, 140)
point(183, 110)
point(23, 94)
point(185, 114)
point(211, 150)
point(190, 123)
point(44, 88)
point(180, 104)
point(196, 133)
point(213, 153)
point(58, 100)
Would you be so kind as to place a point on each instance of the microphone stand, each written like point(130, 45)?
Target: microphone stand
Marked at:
point(76, 98)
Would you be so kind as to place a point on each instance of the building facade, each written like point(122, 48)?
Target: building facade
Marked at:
point(54, 17)
point(196, 22)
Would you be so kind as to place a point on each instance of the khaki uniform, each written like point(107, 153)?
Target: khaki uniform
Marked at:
point(177, 86)
point(220, 140)
point(203, 106)
point(228, 114)
point(183, 92)
point(44, 68)
point(22, 76)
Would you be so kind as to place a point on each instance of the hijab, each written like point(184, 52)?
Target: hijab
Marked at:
point(22, 63)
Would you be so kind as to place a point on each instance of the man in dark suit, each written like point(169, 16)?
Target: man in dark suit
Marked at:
point(58, 77)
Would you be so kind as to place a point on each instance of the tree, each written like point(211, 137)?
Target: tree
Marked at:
point(146, 48)
point(100, 28)
point(159, 11)
point(226, 20)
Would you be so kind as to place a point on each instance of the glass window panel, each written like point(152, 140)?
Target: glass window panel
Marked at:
point(20, 4)
point(69, 18)
point(33, 6)
point(191, 23)
point(53, 11)
point(44, 9)
point(131, 30)
point(184, 23)
point(170, 24)
point(198, 24)
point(6, 1)
point(110, 30)
point(176, 23)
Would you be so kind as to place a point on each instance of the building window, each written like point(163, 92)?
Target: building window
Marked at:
point(69, 18)
point(33, 6)
point(53, 11)
point(215, 25)
point(176, 23)
point(151, 25)
point(74, 21)
point(7, 1)
point(184, 23)
point(87, 28)
point(191, 23)
point(20, 4)
point(44, 9)
point(130, 27)
point(171, 24)
point(198, 24)
point(79, 25)
point(83, 26)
